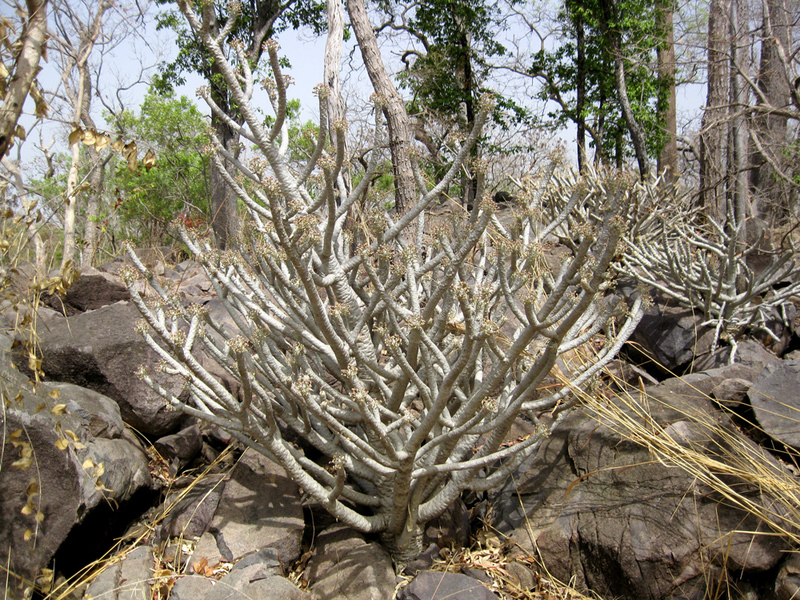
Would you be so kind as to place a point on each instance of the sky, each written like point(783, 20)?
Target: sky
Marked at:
point(146, 48)
point(137, 58)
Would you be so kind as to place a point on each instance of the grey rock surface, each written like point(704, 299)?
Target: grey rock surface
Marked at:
point(259, 508)
point(601, 512)
point(184, 445)
point(748, 353)
point(61, 484)
point(671, 336)
point(787, 583)
point(776, 402)
point(432, 585)
point(257, 576)
point(93, 289)
point(189, 512)
point(129, 579)
point(345, 566)
point(101, 350)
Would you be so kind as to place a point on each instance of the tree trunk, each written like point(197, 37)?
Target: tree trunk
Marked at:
point(81, 103)
point(224, 205)
point(613, 38)
point(24, 71)
point(96, 182)
point(713, 133)
point(634, 128)
point(396, 116)
point(771, 129)
point(471, 180)
point(22, 194)
point(580, 92)
point(333, 64)
point(741, 205)
point(668, 157)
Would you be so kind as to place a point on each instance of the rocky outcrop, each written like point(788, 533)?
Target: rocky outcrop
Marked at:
point(668, 338)
point(430, 585)
point(100, 350)
point(258, 508)
point(776, 403)
point(602, 512)
point(66, 452)
point(92, 289)
point(344, 566)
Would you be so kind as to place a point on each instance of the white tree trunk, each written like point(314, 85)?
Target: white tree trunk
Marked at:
point(24, 71)
point(333, 64)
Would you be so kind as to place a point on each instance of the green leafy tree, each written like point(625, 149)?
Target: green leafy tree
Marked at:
point(178, 186)
point(581, 77)
point(447, 67)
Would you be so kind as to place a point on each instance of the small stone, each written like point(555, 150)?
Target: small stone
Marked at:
point(432, 585)
point(525, 577)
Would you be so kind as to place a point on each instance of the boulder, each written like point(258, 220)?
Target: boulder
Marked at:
point(130, 578)
point(92, 289)
point(432, 585)
point(66, 452)
point(602, 513)
point(258, 576)
point(669, 338)
point(259, 508)
point(748, 353)
point(101, 350)
point(189, 511)
point(776, 403)
point(182, 446)
point(344, 566)
point(787, 583)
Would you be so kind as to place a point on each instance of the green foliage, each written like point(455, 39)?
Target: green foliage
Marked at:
point(192, 56)
point(449, 70)
point(147, 201)
point(634, 21)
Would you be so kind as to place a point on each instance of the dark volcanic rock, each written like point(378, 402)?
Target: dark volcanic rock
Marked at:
point(748, 353)
point(601, 512)
point(671, 337)
point(776, 402)
point(100, 350)
point(259, 508)
point(346, 567)
point(66, 452)
point(431, 585)
point(93, 289)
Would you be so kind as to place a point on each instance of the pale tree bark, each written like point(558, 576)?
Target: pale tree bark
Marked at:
point(770, 126)
point(77, 59)
point(23, 71)
point(22, 193)
point(332, 67)
point(739, 123)
point(580, 91)
point(396, 116)
point(224, 204)
point(634, 127)
point(96, 183)
point(713, 134)
point(613, 38)
point(668, 157)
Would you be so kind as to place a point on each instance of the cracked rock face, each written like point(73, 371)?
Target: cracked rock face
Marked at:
point(259, 507)
point(101, 350)
point(602, 513)
point(65, 453)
